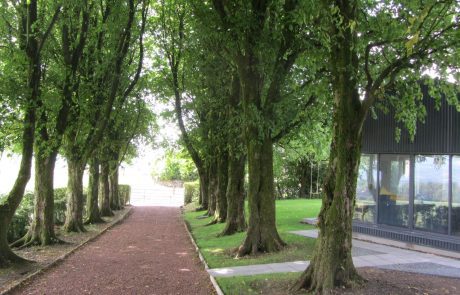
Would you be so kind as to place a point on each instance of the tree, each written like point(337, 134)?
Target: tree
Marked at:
point(264, 40)
point(101, 86)
point(172, 31)
point(52, 121)
point(32, 39)
point(378, 52)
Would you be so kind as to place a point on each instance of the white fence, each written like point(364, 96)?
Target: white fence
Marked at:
point(157, 195)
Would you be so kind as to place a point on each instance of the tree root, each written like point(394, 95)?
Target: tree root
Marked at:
point(98, 220)
point(212, 222)
point(106, 212)
point(316, 280)
point(74, 227)
point(9, 258)
point(232, 228)
point(33, 239)
point(255, 244)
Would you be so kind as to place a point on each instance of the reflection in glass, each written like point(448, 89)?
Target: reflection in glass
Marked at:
point(394, 190)
point(456, 195)
point(431, 200)
point(366, 191)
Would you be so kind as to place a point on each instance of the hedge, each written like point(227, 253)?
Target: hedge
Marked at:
point(124, 192)
point(191, 192)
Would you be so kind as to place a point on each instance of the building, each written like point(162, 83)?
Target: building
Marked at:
point(410, 191)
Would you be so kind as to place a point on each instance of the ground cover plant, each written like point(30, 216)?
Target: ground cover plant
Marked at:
point(220, 251)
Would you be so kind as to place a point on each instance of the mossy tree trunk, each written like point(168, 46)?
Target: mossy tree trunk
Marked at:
point(218, 187)
point(222, 180)
point(114, 196)
point(235, 221)
point(204, 184)
point(104, 190)
point(74, 214)
point(92, 209)
point(41, 230)
point(262, 235)
point(212, 188)
point(31, 41)
point(332, 264)
point(10, 204)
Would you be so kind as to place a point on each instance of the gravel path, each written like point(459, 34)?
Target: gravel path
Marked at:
point(149, 253)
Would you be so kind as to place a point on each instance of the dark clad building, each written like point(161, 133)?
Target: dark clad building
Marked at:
point(410, 191)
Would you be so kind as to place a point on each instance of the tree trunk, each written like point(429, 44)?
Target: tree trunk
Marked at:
point(212, 188)
point(9, 205)
point(74, 214)
point(236, 221)
point(92, 209)
point(114, 196)
point(220, 214)
point(332, 264)
point(104, 190)
point(41, 230)
point(262, 235)
point(204, 184)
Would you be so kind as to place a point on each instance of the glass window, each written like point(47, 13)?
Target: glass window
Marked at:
point(431, 199)
point(393, 203)
point(366, 190)
point(456, 195)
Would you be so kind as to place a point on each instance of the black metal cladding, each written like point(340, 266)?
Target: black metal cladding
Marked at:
point(440, 134)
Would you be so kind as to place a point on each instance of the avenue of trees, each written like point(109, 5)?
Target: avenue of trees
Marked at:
point(252, 83)
point(257, 82)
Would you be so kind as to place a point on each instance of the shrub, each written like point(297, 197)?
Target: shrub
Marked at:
point(23, 216)
point(191, 192)
point(124, 192)
point(21, 220)
point(60, 202)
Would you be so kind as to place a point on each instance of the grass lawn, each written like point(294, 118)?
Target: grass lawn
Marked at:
point(278, 283)
point(219, 251)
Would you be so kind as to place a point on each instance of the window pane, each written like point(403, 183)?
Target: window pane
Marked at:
point(431, 200)
point(394, 190)
point(366, 191)
point(456, 195)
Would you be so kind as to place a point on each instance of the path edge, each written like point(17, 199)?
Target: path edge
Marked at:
point(206, 267)
point(61, 258)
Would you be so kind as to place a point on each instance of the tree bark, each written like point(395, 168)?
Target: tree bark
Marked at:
point(236, 221)
point(92, 208)
point(29, 43)
point(204, 184)
point(262, 235)
point(41, 230)
point(220, 215)
point(212, 188)
point(332, 264)
point(8, 207)
point(74, 214)
point(104, 190)
point(114, 196)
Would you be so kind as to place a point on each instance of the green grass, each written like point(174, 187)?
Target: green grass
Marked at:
point(218, 251)
point(278, 283)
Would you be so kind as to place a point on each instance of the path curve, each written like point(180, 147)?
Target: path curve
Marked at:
point(149, 253)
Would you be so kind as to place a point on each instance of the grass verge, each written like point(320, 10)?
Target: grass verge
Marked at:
point(219, 251)
point(278, 283)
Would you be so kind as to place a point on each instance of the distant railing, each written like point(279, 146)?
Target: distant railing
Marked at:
point(157, 193)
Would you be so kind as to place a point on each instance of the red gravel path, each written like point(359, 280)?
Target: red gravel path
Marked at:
point(149, 253)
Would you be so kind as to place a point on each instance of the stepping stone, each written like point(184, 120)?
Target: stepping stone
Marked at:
point(312, 221)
